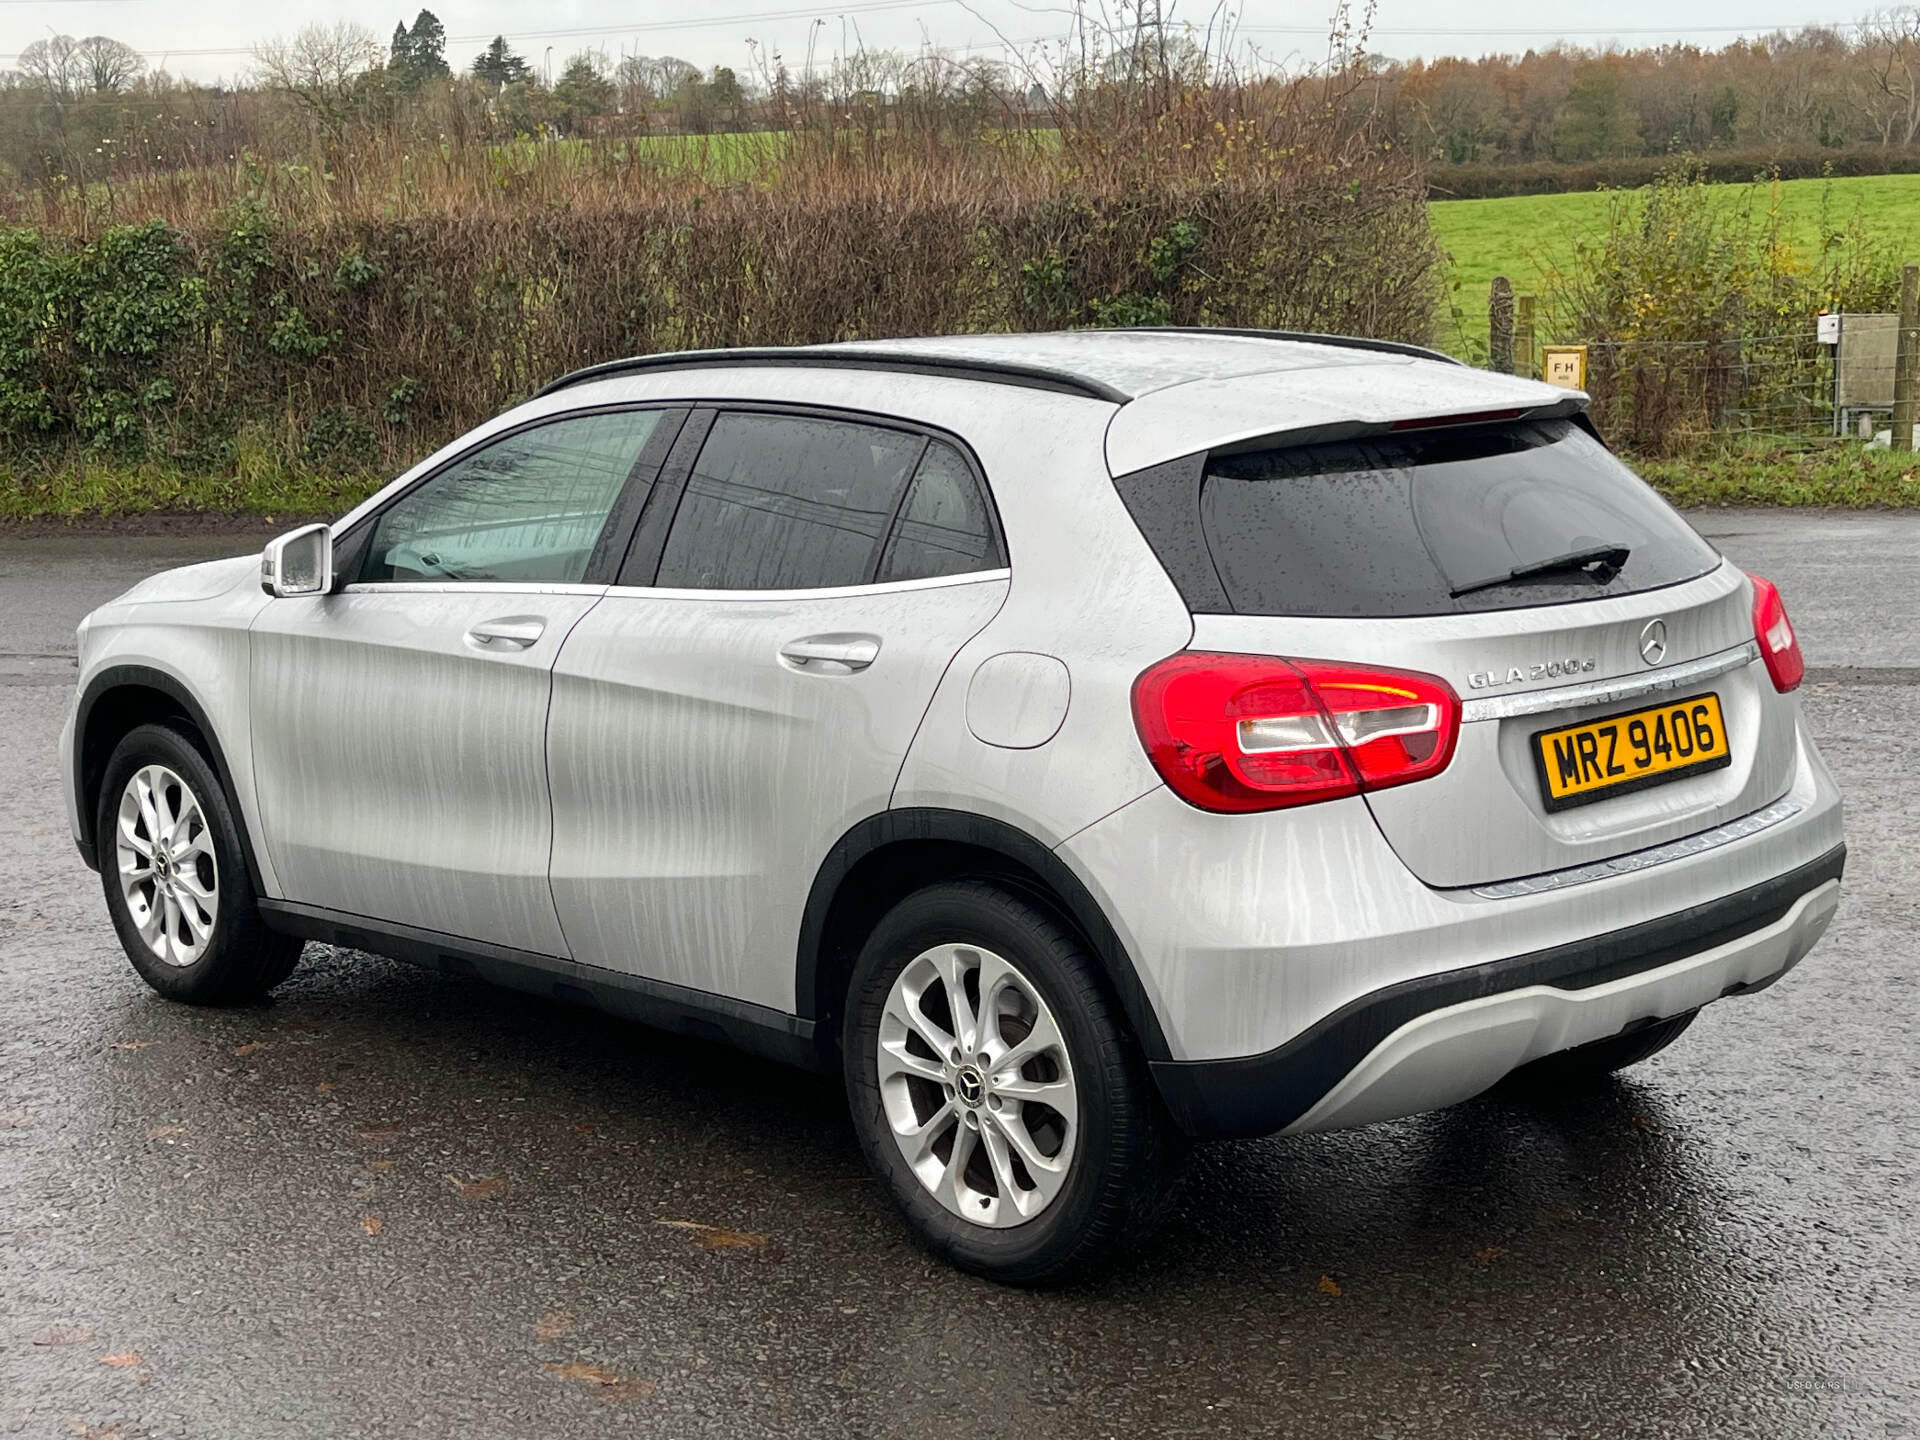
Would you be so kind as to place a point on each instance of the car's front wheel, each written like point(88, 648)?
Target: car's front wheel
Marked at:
point(995, 1089)
point(176, 881)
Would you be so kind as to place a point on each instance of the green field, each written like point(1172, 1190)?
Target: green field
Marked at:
point(1522, 236)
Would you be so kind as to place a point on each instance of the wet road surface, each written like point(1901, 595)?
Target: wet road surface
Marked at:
point(391, 1203)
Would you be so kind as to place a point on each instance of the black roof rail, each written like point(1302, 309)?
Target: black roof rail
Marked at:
point(1304, 337)
point(960, 367)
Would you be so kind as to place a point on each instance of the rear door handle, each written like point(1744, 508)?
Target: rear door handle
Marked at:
point(831, 654)
point(513, 632)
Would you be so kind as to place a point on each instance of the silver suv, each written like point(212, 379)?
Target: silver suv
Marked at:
point(1085, 741)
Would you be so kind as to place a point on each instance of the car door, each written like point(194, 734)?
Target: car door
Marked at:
point(748, 692)
point(399, 724)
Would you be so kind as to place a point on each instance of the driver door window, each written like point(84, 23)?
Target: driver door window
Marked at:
point(527, 509)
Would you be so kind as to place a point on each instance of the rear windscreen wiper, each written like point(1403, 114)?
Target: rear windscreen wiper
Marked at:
point(1600, 562)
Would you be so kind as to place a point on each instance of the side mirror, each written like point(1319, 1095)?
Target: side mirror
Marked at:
point(299, 562)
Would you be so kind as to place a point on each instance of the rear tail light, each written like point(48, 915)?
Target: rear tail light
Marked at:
point(1253, 732)
point(1779, 646)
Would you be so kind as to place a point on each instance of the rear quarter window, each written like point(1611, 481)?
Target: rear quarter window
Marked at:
point(1420, 524)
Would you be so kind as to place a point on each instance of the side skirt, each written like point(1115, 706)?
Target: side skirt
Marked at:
point(757, 1029)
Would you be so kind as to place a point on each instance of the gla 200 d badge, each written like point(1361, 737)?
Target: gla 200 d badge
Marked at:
point(1519, 674)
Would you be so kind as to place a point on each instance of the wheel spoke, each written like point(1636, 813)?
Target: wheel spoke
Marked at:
point(1047, 1173)
point(199, 920)
point(896, 1059)
point(148, 804)
point(953, 977)
point(1002, 1162)
point(1058, 1094)
point(1044, 1036)
point(953, 1173)
point(919, 1141)
point(131, 838)
point(903, 1005)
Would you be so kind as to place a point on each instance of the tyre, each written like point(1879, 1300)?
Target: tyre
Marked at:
point(1602, 1057)
point(175, 878)
point(995, 1090)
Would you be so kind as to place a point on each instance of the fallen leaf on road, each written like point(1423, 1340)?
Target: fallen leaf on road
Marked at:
point(580, 1370)
point(1489, 1255)
point(77, 1426)
point(713, 1237)
point(552, 1326)
point(1329, 1285)
point(378, 1134)
point(324, 1086)
point(373, 1224)
point(250, 1047)
point(1640, 1122)
point(607, 1385)
point(584, 1130)
point(126, 1360)
point(165, 1132)
point(132, 1044)
point(381, 1167)
point(64, 1335)
point(18, 1122)
point(487, 1189)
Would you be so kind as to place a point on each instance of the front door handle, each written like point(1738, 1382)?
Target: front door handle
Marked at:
point(831, 654)
point(514, 632)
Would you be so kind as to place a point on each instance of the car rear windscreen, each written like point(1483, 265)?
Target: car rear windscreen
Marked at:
point(1437, 522)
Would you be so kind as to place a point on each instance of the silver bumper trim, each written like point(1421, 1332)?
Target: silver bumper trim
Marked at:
point(1606, 692)
point(1634, 860)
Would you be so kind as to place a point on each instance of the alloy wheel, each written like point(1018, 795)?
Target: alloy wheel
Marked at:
point(977, 1085)
point(169, 876)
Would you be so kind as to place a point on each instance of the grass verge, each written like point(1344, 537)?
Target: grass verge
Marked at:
point(1839, 476)
point(93, 489)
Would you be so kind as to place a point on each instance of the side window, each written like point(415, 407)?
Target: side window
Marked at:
point(527, 508)
point(778, 502)
point(945, 528)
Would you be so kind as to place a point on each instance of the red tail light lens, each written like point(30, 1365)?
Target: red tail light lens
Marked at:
point(1779, 646)
point(1254, 732)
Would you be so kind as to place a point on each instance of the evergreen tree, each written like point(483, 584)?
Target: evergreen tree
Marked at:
point(420, 54)
point(499, 67)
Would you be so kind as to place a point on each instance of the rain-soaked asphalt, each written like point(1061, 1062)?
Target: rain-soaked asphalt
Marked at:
point(389, 1203)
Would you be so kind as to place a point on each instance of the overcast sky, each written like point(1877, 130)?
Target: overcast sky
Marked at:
point(209, 39)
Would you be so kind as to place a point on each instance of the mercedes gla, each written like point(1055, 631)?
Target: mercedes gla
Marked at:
point(1083, 742)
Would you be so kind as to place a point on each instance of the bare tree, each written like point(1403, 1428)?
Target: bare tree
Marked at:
point(106, 66)
point(1890, 98)
point(52, 65)
point(319, 70)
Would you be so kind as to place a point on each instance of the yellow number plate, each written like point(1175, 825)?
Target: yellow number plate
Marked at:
point(1602, 758)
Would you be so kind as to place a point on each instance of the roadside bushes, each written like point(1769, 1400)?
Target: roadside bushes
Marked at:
point(1717, 167)
point(355, 345)
point(1699, 315)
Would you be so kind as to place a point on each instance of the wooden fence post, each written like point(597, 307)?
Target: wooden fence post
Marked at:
point(1904, 355)
point(1500, 326)
point(1525, 360)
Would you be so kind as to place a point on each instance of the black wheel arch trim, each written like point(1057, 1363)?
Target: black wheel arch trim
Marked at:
point(87, 800)
point(1256, 1095)
point(918, 823)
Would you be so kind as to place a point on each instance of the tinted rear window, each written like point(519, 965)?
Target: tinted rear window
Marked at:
point(1399, 525)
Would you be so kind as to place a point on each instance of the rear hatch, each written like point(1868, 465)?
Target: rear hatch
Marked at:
point(1527, 567)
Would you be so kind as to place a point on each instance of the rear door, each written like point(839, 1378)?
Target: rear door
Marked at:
point(748, 692)
point(399, 726)
point(1531, 570)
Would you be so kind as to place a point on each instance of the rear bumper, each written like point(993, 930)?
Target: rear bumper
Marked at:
point(1439, 1039)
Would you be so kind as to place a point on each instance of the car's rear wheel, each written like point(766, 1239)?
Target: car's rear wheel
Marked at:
point(176, 881)
point(995, 1089)
point(1603, 1057)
